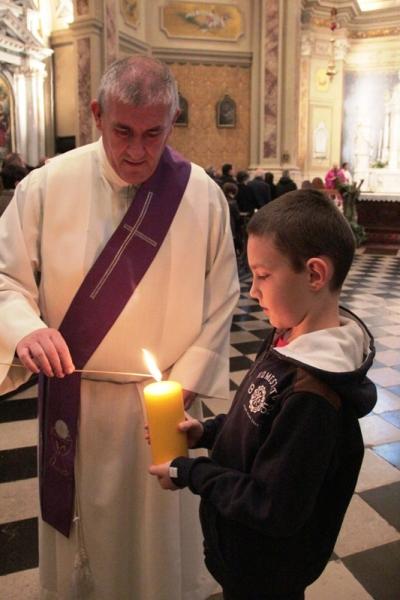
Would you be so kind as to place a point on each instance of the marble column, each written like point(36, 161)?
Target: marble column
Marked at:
point(29, 80)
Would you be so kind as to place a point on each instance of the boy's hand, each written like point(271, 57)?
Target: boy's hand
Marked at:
point(162, 473)
point(193, 429)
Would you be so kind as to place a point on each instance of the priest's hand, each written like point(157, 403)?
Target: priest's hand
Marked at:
point(162, 474)
point(193, 429)
point(45, 350)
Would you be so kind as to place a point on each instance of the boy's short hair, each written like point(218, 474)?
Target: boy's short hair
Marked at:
point(306, 224)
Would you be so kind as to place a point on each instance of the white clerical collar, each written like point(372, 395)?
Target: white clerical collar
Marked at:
point(112, 176)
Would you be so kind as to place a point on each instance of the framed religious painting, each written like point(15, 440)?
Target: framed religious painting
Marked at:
point(183, 119)
point(6, 121)
point(226, 112)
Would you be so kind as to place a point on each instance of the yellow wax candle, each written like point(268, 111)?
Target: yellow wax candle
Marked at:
point(164, 407)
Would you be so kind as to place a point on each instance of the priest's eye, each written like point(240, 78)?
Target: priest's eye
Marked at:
point(121, 132)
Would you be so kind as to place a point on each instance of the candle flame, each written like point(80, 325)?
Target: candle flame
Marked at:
point(152, 365)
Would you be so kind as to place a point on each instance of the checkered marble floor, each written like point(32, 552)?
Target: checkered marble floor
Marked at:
point(366, 560)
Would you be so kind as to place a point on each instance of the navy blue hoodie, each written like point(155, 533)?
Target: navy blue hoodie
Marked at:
point(285, 460)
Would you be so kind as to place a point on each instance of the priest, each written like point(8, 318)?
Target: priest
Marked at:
point(114, 247)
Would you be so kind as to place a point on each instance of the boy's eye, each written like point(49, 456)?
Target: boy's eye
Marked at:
point(262, 277)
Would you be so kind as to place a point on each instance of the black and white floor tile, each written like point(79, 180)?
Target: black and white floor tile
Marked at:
point(366, 561)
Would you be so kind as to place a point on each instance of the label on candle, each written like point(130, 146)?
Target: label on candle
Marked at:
point(164, 407)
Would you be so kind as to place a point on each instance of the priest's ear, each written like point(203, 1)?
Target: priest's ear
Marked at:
point(96, 111)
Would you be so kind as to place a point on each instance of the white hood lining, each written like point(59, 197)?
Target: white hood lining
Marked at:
point(335, 350)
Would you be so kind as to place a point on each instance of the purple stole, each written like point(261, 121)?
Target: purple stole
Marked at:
point(106, 289)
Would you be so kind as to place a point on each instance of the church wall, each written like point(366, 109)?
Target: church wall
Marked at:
point(202, 141)
point(207, 67)
point(65, 105)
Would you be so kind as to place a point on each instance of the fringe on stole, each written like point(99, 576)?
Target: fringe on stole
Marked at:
point(82, 582)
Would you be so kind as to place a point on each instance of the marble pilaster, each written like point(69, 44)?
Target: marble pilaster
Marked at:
point(110, 31)
point(87, 32)
point(84, 91)
point(271, 74)
point(274, 143)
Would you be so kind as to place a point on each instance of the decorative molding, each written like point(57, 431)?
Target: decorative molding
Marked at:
point(89, 26)
point(306, 44)
point(204, 57)
point(82, 7)
point(129, 45)
point(130, 11)
point(341, 49)
point(16, 40)
point(372, 33)
point(349, 15)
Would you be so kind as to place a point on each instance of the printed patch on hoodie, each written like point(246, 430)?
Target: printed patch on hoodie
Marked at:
point(260, 400)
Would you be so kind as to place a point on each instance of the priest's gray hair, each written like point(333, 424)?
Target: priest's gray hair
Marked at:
point(140, 81)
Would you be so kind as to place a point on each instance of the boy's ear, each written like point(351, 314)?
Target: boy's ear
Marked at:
point(320, 271)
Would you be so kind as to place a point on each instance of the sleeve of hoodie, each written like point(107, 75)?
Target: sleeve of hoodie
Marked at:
point(279, 493)
point(211, 428)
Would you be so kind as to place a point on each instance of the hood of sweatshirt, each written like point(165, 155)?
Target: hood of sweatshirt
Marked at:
point(340, 356)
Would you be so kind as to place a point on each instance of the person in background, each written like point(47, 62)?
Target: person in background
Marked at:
point(106, 230)
point(284, 461)
point(269, 179)
point(285, 184)
point(317, 184)
point(306, 184)
point(245, 198)
point(334, 177)
point(227, 174)
point(212, 172)
point(260, 190)
point(346, 173)
point(231, 191)
point(11, 174)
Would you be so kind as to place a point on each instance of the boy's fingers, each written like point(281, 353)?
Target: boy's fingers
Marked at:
point(185, 425)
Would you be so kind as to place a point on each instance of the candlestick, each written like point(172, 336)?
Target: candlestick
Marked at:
point(164, 407)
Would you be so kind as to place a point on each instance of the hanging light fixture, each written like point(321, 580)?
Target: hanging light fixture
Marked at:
point(331, 68)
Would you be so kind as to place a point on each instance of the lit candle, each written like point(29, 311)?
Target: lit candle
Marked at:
point(164, 407)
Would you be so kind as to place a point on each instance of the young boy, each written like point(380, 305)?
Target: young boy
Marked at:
point(285, 459)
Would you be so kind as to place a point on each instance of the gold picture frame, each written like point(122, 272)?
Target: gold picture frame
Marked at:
point(205, 20)
point(226, 112)
point(183, 118)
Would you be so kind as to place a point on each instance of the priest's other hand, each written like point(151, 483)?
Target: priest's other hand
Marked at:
point(45, 350)
point(193, 429)
point(162, 474)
